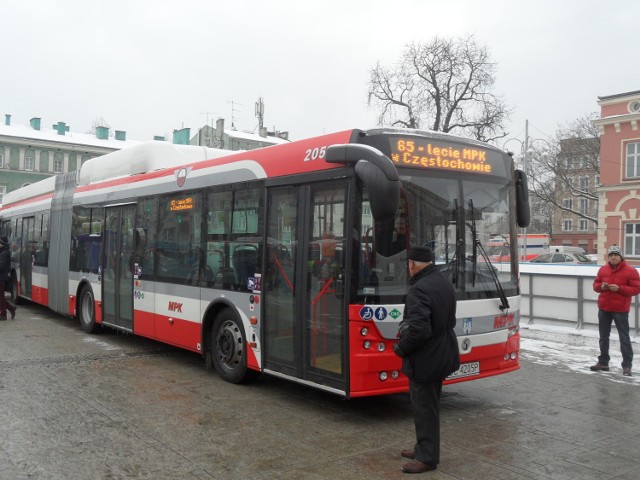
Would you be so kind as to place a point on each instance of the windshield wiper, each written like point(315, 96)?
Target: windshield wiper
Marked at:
point(478, 245)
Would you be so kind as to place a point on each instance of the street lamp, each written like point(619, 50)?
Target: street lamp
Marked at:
point(525, 152)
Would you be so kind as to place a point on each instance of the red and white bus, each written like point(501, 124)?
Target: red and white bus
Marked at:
point(288, 260)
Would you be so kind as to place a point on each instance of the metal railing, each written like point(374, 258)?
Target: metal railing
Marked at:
point(563, 295)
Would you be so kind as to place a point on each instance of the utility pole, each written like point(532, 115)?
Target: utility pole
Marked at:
point(524, 166)
point(260, 114)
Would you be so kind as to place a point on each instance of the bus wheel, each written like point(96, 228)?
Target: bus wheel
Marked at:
point(228, 349)
point(87, 310)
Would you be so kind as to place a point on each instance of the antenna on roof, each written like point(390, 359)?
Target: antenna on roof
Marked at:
point(208, 137)
point(233, 118)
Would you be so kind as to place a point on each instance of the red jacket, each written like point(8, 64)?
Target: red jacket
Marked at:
point(623, 275)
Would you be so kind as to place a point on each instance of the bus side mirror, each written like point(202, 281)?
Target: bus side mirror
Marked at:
point(377, 173)
point(523, 214)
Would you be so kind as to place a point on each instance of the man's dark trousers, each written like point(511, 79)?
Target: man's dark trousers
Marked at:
point(425, 401)
point(621, 319)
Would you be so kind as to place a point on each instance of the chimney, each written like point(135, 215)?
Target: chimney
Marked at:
point(61, 128)
point(120, 135)
point(181, 137)
point(159, 138)
point(102, 133)
point(7, 119)
point(35, 123)
point(220, 129)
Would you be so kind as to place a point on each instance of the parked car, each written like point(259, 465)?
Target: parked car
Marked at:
point(564, 258)
point(592, 256)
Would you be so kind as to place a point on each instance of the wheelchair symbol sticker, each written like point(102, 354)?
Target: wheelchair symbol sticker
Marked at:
point(366, 313)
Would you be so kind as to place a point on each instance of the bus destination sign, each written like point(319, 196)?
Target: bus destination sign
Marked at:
point(428, 154)
point(181, 204)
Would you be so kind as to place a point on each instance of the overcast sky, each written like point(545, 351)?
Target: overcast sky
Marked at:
point(149, 67)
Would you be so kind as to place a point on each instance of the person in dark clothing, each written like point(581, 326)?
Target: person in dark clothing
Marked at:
point(429, 350)
point(616, 282)
point(5, 268)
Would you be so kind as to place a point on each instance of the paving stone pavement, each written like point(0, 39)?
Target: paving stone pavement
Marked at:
point(112, 406)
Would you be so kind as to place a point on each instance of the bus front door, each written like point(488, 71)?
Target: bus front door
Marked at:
point(304, 309)
point(117, 283)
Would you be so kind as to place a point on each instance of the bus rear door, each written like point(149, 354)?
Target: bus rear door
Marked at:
point(27, 256)
point(117, 283)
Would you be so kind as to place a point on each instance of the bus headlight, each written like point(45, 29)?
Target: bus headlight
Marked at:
point(383, 376)
point(395, 374)
point(364, 331)
point(514, 355)
point(367, 344)
point(381, 347)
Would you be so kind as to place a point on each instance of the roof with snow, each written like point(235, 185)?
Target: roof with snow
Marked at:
point(51, 135)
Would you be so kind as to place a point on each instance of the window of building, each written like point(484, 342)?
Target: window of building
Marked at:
point(29, 164)
point(584, 225)
point(567, 225)
point(567, 203)
point(1, 160)
point(632, 239)
point(634, 106)
point(584, 184)
point(633, 159)
point(57, 165)
point(584, 206)
point(3, 190)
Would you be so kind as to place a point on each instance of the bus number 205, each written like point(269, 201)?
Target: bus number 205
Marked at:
point(315, 153)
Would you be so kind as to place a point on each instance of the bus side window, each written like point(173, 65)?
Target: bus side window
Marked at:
point(245, 263)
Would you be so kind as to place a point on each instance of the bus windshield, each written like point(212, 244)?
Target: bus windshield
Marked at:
point(455, 217)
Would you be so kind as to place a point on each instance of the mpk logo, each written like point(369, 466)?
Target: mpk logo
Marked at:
point(175, 307)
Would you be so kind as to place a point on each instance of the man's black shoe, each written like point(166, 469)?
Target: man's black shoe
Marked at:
point(626, 371)
point(599, 367)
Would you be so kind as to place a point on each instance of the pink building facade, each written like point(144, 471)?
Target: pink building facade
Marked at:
point(619, 191)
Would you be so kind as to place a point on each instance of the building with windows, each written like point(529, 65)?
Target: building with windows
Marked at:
point(619, 199)
point(31, 153)
point(577, 180)
point(230, 139)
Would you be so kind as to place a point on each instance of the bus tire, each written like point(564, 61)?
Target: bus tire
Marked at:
point(229, 348)
point(87, 310)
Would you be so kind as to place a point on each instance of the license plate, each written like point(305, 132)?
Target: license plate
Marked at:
point(466, 370)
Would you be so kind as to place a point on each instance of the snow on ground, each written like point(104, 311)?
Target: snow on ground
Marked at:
point(574, 350)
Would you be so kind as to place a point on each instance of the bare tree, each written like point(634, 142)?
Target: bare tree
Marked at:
point(98, 122)
point(556, 169)
point(445, 85)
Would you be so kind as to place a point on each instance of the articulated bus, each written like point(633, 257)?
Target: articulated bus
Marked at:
point(288, 260)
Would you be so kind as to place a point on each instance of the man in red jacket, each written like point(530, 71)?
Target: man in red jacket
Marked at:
point(616, 283)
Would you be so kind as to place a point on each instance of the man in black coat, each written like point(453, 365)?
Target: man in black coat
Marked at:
point(5, 268)
point(429, 350)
